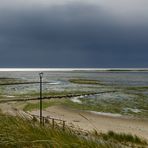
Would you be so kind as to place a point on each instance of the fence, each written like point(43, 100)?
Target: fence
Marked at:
point(51, 120)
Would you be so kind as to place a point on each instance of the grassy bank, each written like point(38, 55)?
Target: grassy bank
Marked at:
point(45, 104)
point(85, 81)
point(19, 132)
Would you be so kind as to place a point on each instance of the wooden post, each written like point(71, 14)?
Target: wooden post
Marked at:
point(41, 75)
point(43, 120)
point(53, 123)
point(63, 125)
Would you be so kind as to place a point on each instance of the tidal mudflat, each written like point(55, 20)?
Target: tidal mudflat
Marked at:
point(106, 99)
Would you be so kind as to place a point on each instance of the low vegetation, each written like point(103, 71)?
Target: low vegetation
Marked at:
point(45, 104)
point(85, 81)
point(5, 80)
point(17, 132)
point(22, 132)
point(122, 138)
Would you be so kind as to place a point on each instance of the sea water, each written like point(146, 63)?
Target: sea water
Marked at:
point(58, 79)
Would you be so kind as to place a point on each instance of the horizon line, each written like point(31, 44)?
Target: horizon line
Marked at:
point(68, 69)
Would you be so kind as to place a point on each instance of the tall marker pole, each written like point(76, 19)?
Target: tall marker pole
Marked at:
point(41, 76)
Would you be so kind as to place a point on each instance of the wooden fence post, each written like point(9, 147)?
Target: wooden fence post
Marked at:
point(63, 125)
point(53, 123)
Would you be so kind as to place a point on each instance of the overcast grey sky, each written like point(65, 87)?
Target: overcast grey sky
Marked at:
point(73, 33)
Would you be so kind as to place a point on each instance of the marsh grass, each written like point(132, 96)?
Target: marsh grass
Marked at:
point(46, 104)
point(67, 102)
point(85, 81)
point(137, 88)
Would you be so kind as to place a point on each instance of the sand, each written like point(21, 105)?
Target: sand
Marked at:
point(88, 121)
point(102, 123)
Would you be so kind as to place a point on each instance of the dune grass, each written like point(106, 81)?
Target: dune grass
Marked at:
point(122, 138)
point(21, 132)
point(18, 132)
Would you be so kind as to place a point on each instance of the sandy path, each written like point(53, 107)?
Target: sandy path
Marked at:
point(101, 123)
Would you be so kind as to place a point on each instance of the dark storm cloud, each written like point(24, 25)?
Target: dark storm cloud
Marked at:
point(71, 35)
